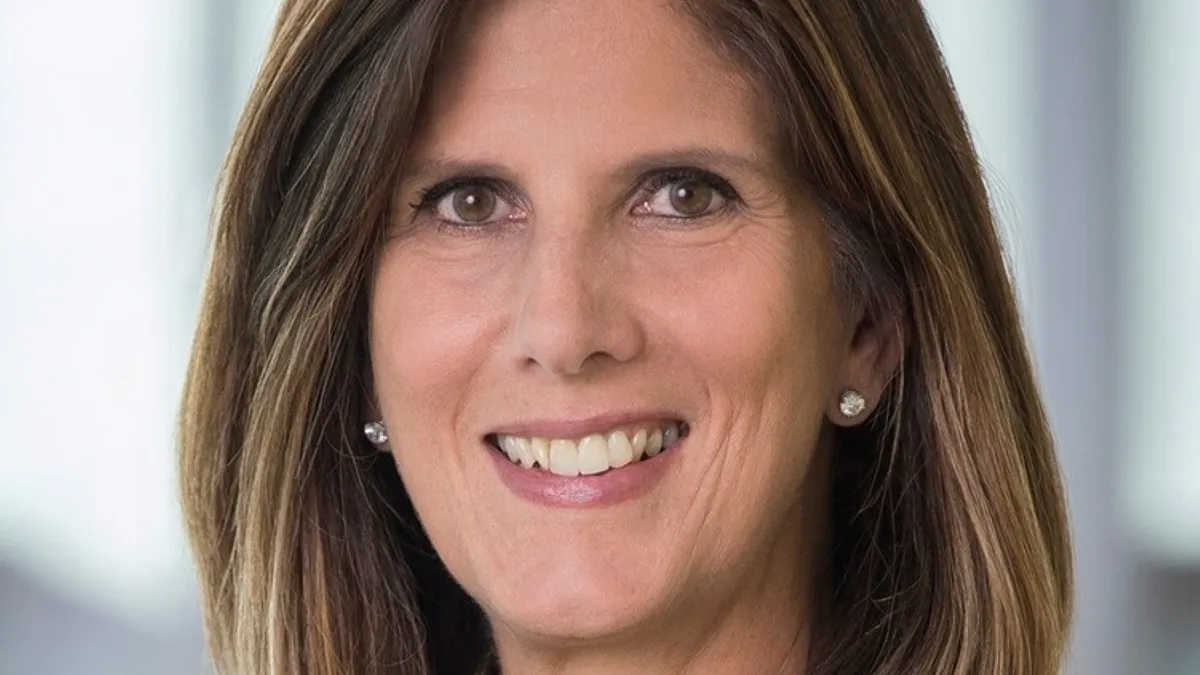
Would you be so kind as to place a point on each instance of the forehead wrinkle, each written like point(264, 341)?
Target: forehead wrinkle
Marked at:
point(505, 90)
point(487, 35)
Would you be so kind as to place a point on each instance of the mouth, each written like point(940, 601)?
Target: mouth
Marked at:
point(593, 454)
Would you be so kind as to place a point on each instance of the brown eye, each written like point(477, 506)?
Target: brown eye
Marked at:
point(687, 197)
point(691, 198)
point(473, 203)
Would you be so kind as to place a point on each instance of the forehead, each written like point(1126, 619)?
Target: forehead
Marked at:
point(593, 75)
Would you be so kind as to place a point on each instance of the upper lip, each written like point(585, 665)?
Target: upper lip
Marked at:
point(579, 427)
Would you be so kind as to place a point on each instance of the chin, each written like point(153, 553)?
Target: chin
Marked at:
point(571, 610)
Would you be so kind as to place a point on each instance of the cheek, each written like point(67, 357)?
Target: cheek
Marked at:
point(429, 340)
point(761, 318)
point(764, 336)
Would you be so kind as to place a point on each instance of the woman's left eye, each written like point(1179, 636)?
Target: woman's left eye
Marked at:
point(689, 197)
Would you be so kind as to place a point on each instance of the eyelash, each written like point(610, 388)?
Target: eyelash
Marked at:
point(664, 177)
point(651, 183)
point(428, 197)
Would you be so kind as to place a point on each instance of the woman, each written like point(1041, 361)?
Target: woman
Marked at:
point(599, 336)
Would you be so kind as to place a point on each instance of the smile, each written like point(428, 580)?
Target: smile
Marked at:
point(593, 454)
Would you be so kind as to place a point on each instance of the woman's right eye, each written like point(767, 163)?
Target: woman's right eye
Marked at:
point(468, 204)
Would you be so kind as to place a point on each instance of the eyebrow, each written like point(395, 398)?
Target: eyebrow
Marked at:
point(703, 156)
point(718, 158)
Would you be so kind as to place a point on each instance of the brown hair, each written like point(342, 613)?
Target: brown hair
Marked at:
point(951, 552)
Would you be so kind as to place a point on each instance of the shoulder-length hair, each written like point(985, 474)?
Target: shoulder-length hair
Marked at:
point(950, 540)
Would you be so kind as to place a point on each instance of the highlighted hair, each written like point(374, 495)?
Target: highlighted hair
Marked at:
point(951, 552)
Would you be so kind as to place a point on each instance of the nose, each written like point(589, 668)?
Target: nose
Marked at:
point(575, 312)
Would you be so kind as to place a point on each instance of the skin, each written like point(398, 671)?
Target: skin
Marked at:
point(583, 296)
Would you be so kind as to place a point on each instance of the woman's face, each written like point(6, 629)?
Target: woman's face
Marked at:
point(595, 249)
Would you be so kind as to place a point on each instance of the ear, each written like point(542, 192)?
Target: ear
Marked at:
point(371, 416)
point(876, 349)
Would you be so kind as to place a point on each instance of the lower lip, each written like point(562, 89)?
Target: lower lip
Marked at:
point(606, 489)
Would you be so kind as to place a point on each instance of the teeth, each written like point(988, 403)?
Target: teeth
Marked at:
point(564, 458)
point(639, 444)
point(509, 445)
point(541, 452)
point(654, 443)
point(524, 452)
point(670, 436)
point(620, 452)
point(592, 455)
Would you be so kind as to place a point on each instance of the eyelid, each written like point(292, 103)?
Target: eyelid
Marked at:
point(655, 180)
point(646, 186)
point(430, 202)
point(430, 196)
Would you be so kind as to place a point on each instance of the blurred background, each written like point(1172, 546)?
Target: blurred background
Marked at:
point(113, 119)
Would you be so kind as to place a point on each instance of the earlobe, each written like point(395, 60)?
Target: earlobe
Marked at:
point(374, 428)
point(873, 360)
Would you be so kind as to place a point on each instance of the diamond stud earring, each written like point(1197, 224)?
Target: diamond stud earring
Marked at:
point(376, 433)
point(852, 404)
